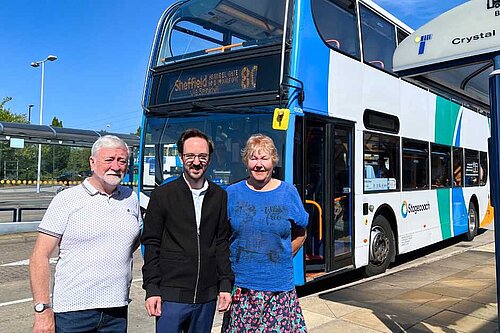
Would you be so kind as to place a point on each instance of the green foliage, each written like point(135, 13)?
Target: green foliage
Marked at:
point(138, 131)
point(56, 122)
point(8, 116)
point(21, 164)
point(78, 159)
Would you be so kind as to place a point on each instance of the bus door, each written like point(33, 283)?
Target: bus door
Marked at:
point(328, 192)
point(341, 217)
point(315, 194)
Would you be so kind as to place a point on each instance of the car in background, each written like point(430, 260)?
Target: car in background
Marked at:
point(74, 176)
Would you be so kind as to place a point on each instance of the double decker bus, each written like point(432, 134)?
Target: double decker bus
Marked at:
point(385, 166)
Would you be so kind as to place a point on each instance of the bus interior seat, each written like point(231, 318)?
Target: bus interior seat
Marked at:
point(369, 172)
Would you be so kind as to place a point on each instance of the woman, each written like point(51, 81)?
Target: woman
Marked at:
point(263, 211)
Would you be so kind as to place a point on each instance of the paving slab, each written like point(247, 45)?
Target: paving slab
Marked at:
point(463, 323)
point(453, 290)
point(470, 308)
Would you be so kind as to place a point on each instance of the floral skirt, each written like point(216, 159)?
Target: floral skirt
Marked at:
point(265, 311)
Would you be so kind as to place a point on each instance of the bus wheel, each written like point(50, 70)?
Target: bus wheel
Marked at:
point(472, 224)
point(382, 247)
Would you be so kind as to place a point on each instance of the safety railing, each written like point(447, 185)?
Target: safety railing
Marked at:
point(17, 212)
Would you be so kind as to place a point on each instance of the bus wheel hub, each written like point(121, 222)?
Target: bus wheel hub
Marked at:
point(379, 247)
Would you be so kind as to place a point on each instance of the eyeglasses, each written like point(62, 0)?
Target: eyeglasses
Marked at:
point(202, 157)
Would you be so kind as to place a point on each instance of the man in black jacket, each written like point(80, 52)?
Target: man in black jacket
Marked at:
point(186, 237)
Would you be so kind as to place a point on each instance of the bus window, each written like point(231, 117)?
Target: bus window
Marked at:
point(201, 28)
point(471, 167)
point(458, 162)
point(183, 45)
point(483, 168)
point(401, 35)
point(379, 39)
point(415, 165)
point(440, 166)
point(337, 25)
point(381, 162)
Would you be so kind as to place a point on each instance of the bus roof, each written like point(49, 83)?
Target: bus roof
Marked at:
point(454, 57)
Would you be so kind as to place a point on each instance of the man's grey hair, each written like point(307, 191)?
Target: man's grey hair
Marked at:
point(108, 141)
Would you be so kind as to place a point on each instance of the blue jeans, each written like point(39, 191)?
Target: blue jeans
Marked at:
point(109, 320)
point(184, 317)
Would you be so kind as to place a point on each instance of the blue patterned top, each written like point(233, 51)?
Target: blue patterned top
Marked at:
point(261, 248)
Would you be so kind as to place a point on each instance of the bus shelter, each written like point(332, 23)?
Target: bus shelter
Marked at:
point(57, 135)
point(61, 161)
point(459, 53)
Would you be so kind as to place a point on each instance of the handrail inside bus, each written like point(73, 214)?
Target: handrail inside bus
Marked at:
point(223, 47)
point(315, 204)
point(377, 63)
point(333, 41)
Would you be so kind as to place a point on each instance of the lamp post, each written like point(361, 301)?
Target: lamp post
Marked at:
point(29, 112)
point(37, 64)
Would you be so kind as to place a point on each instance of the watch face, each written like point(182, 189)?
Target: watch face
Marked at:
point(40, 307)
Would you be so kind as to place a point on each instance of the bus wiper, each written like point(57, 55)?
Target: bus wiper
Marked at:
point(204, 105)
point(209, 107)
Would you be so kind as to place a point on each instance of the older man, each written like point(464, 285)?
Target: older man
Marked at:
point(96, 226)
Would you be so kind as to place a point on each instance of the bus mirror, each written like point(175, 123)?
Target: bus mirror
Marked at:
point(280, 119)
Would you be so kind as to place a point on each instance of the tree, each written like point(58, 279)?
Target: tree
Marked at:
point(56, 156)
point(138, 131)
point(56, 122)
point(20, 158)
point(8, 116)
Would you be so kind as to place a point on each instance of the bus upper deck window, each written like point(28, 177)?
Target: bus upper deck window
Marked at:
point(201, 28)
point(336, 22)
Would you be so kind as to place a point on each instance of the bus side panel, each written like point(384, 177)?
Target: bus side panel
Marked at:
point(485, 208)
point(445, 123)
point(344, 82)
point(475, 131)
point(354, 87)
point(420, 223)
point(417, 108)
point(443, 199)
point(380, 92)
point(460, 217)
point(310, 59)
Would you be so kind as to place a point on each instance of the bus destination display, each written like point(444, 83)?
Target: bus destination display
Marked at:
point(207, 82)
point(259, 74)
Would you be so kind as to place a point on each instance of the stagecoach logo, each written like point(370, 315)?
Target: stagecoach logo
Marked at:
point(421, 41)
point(407, 208)
point(493, 4)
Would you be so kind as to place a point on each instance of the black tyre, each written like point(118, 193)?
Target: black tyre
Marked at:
point(382, 247)
point(472, 223)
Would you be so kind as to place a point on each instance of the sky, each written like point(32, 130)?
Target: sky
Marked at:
point(103, 48)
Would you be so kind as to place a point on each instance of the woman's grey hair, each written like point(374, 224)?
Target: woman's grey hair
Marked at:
point(108, 141)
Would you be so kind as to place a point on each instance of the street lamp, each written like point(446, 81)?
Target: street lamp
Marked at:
point(29, 112)
point(37, 64)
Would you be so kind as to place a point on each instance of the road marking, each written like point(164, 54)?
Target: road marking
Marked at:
point(24, 300)
point(26, 262)
point(16, 302)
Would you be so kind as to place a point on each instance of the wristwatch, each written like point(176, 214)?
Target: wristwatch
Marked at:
point(40, 307)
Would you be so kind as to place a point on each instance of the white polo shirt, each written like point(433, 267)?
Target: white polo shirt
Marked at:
point(98, 235)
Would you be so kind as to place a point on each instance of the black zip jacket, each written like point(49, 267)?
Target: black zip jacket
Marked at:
point(180, 265)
